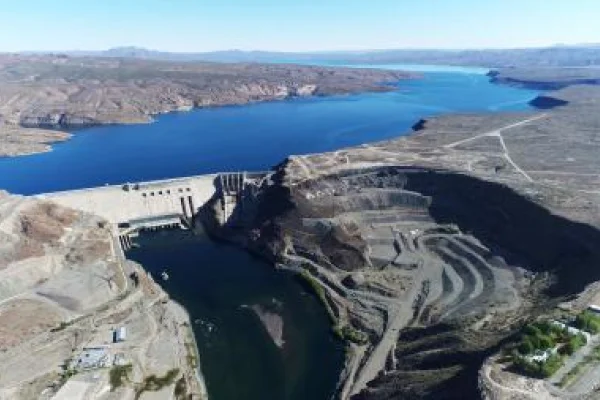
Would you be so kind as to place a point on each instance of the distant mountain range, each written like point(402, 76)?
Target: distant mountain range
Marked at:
point(560, 55)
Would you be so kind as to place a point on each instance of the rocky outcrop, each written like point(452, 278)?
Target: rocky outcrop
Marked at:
point(547, 102)
point(60, 121)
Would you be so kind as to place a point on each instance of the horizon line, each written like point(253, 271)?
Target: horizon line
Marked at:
point(369, 50)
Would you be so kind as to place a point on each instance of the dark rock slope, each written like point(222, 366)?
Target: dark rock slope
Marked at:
point(439, 246)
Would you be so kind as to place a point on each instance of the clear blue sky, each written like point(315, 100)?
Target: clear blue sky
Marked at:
point(295, 25)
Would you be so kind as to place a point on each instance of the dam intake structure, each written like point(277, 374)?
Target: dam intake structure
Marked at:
point(168, 203)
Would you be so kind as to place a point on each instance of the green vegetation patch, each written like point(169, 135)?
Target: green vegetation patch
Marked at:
point(588, 321)
point(539, 369)
point(542, 338)
point(343, 332)
point(350, 334)
point(318, 290)
point(118, 375)
point(155, 383)
point(573, 344)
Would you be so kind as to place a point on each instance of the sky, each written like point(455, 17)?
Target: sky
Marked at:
point(294, 25)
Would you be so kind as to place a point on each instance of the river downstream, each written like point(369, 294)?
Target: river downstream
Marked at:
point(260, 334)
point(226, 291)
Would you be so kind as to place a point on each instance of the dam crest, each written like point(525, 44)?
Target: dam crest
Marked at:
point(131, 207)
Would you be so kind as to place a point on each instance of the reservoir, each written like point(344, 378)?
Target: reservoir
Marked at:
point(251, 137)
point(236, 301)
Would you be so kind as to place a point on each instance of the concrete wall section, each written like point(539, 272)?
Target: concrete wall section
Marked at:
point(124, 203)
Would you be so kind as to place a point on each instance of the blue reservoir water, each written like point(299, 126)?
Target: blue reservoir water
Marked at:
point(220, 285)
point(251, 137)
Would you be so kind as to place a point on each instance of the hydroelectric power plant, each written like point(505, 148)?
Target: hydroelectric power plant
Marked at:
point(131, 207)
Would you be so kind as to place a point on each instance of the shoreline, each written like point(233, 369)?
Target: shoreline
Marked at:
point(314, 92)
point(155, 118)
point(67, 134)
point(189, 334)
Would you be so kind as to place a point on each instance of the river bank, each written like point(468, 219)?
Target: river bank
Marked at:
point(187, 341)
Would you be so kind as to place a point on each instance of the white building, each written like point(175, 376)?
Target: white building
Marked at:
point(119, 335)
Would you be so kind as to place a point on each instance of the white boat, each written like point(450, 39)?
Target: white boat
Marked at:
point(165, 275)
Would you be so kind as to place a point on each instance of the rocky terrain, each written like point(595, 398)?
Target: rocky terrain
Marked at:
point(60, 93)
point(64, 288)
point(432, 250)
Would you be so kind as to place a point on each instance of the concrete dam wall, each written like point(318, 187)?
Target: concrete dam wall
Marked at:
point(133, 206)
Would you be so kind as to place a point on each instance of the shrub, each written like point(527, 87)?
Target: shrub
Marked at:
point(552, 364)
point(155, 383)
point(118, 374)
point(318, 290)
point(349, 333)
point(526, 347)
point(532, 330)
point(588, 321)
point(545, 342)
point(574, 343)
point(539, 370)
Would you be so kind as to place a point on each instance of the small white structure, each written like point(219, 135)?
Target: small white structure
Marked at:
point(572, 330)
point(541, 355)
point(594, 308)
point(119, 335)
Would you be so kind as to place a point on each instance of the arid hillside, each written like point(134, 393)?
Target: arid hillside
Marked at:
point(63, 93)
point(64, 290)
